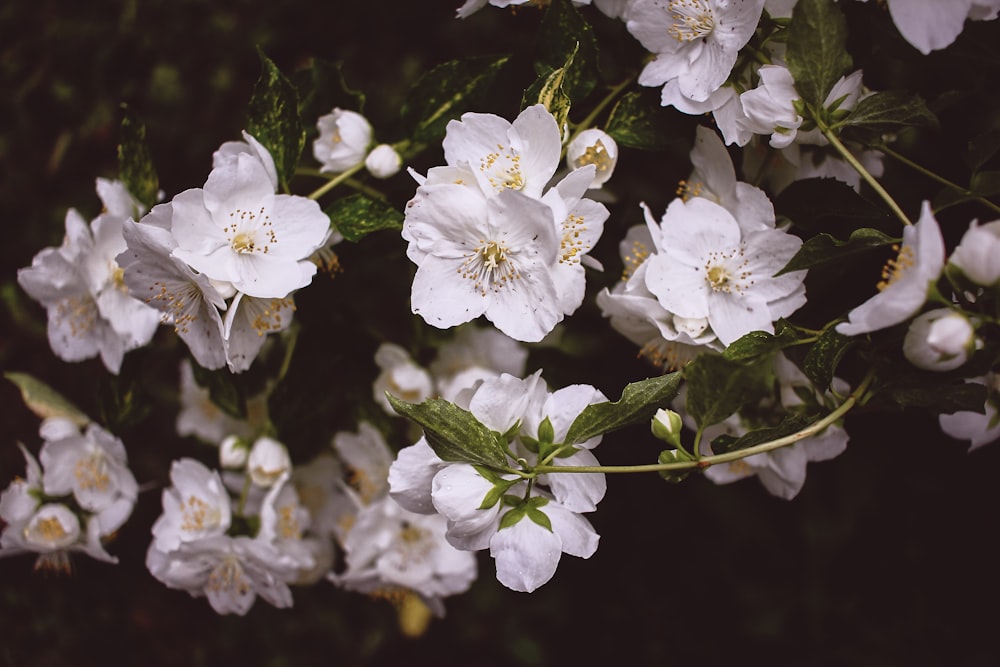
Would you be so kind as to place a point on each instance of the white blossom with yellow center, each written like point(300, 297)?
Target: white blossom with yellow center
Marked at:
point(195, 507)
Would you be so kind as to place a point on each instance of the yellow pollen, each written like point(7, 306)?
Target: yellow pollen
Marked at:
point(687, 190)
point(228, 576)
point(288, 525)
point(693, 19)
point(92, 473)
point(197, 515)
point(489, 267)
point(896, 268)
point(717, 277)
point(250, 232)
point(640, 253)
point(596, 155)
point(50, 529)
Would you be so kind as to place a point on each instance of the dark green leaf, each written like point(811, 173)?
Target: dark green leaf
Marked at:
point(548, 91)
point(45, 401)
point(135, 163)
point(567, 40)
point(639, 402)
point(223, 389)
point(985, 184)
point(921, 391)
point(717, 387)
point(789, 425)
point(446, 92)
point(822, 204)
point(823, 357)
point(890, 111)
point(322, 88)
point(638, 121)
point(453, 433)
point(823, 249)
point(982, 149)
point(358, 215)
point(273, 119)
point(756, 345)
point(817, 55)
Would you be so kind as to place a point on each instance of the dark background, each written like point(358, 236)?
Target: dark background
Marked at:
point(887, 557)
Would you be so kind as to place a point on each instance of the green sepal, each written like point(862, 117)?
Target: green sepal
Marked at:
point(673, 456)
point(45, 401)
point(512, 516)
point(135, 162)
point(530, 444)
point(718, 387)
point(639, 121)
point(548, 91)
point(454, 433)
point(566, 40)
point(357, 215)
point(638, 403)
point(494, 495)
point(789, 425)
point(890, 111)
point(824, 249)
point(273, 119)
point(817, 53)
point(445, 92)
point(546, 432)
point(823, 357)
point(539, 517)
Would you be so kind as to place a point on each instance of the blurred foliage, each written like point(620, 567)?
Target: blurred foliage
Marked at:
point(885, 558)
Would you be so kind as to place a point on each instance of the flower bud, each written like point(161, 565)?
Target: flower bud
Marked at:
point(978, 254)
point(233, 452)
point(383, 161)
point(939, 340)
point(268, 462)
point(594, 147)
point(667, 426)
point(343, 140)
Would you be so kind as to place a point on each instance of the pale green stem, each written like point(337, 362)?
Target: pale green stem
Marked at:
point(860, 168)
point(335, 181)
point(587, 122)
point(940, 179)
point(707, 461)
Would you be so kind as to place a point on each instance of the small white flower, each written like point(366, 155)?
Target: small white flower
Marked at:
point(399, 376)
point(268, 462)
point(474, 355)
point(906, 279)
point(930, 25)
point(979, 428)
point(195, 507)
point(202, 418)
point(939, 340)
point(695, 42)
point(383, 161)
point(977, 255)
point(367, 458)
point(233, 453)
point(769, 107)
point(596, 147)
point(344, 137)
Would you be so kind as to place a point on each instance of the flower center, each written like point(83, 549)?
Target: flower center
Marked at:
point(896, 268)
point(718, 277)
point(633, 260)
point(693, 19)
point(245, 227)
point(228, 576)
point(503, 169)
point(489, 266)
point(726, 271)
point(571, 247)
point(686, 190)
point(197, 515)
point(91, 473)
point(596, 155)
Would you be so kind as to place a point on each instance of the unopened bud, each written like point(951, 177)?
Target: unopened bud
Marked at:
point(233, 452)
point(383, 161)
point(594, 147)
point(268, 462)
point(939, 340)
point(667, 426)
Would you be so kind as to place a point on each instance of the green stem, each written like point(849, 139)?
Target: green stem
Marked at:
point(588, 122)
point(860, 168)
point(374, 193)
point(336, 180)
point(707, 461)
point(933, 176)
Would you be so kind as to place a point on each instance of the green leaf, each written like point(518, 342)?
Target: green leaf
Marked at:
point(789, 425)
point(890, 111)
point(358, 215)
point(223, 390)
point(982, 148)
point(817, 55)
point(135, 163)
point(548, 91)
point(453, 433)
point(823, 249)
point(447, 91)
point(638, 121)
point(823, 357)
point(567, 41)
point(639, 402)
point(756, 345)
point(273, 119)
point(927, 390)
point(717, 387)
point(45, 401)
point(985, 184)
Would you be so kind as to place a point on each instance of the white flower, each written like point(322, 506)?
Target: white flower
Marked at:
point(383, 161)
point(399, 376)
point(906, 279)
point(230, 571)
point(596, 147)
point(343, 140)
point(237, 230)
point(474, 355)
point(367, 458)
point(248, 322)
point(769, 107)
point(268, 462)
point(53, 531)
point(930, 24)
point(80, 284)
point(195, 507)
point(977, 255)
point(707, 268)
point(479, 256)
point(202, 418)
point(696, 42)
point(501, 155)
point(93, 467)
point(979, 428)
point(939, 340)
